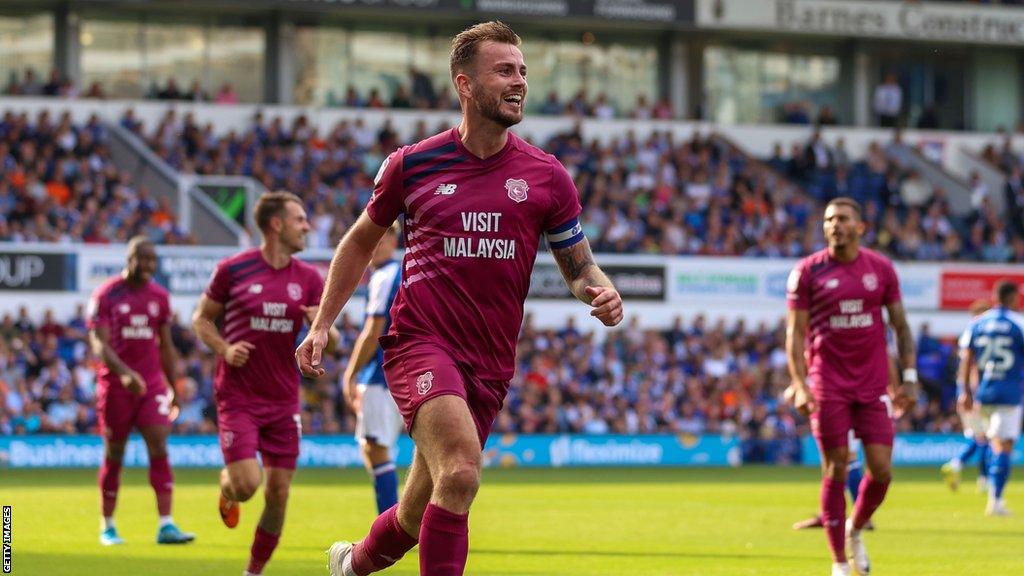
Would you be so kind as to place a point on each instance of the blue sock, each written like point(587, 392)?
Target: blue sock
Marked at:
point(968, 451)
point(385, 484)
point(985, 461)
point(854, 473)
point(999, 473)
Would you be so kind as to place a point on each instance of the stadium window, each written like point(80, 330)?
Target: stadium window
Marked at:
point(135, 56)
point(755, 86)
point(26, 43)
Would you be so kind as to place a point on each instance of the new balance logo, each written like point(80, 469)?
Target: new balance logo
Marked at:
point(445, 190)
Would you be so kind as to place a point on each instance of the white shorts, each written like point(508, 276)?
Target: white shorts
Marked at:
point(972, 422)
point(378, 419)
point(1002, 422)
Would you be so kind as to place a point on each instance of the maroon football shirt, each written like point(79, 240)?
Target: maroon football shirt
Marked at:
point(473, 228)
point(262, 306)
point(847, 351)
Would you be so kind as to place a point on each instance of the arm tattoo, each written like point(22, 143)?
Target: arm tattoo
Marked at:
point(574, 260)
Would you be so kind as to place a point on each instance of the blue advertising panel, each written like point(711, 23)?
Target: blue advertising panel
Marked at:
point(342, 451)
point(913, 450)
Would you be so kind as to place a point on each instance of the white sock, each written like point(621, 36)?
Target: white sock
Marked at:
point(346, 566)
point(166, 521)
point(247, 573)
point(107, 522)
point(955, 464)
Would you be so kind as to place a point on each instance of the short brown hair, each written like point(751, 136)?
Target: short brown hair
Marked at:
point(1005, 291)
point(467, 43)
point(270, 205)
point(848, 202)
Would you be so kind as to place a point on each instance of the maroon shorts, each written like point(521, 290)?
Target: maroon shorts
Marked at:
point(871, 421)
point(118, 410)
point(417, 371)
point(272, 430)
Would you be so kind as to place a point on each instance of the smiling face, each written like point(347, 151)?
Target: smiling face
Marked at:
point(494, 85)
point(294, 227)
point(141, 262)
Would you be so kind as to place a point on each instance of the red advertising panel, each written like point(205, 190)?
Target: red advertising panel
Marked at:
point(960, 288)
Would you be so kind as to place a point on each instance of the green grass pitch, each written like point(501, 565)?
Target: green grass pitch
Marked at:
point(640, 522)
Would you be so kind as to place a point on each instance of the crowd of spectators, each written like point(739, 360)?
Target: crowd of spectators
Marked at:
point(58, 183)
point(907, 217)
point(696, 377)
point(657, 195)
point(419, 93)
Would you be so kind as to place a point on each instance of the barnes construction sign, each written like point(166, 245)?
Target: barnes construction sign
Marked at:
point(932, 21)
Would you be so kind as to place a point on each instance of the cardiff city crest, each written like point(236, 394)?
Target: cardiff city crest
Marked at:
point(517, 189)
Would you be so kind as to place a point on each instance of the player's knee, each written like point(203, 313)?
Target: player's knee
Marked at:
point(884, 475)
point(114, 452)
point(244, 487)
point(277, 494)
point(836, 469)
point(460, 480)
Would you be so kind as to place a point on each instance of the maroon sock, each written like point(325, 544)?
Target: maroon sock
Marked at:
point(869, 498)
point(444, 542)
point(263, 545)
point(110, 482)
point(833, 516)
point(162, 481)
point(386, 543)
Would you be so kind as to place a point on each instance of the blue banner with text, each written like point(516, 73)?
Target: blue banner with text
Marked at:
point(507, 450)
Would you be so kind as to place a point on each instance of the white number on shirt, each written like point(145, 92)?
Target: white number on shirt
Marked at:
point(888, 404)
point(996, 354)
point(163, 404)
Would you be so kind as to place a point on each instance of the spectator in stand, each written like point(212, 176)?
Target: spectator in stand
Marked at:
point(827, 116)
point(30, 86)
point(352, 98)
point(374, 100)
point(170, 90)
point(53, 84)
point(95, 92)
point(602, 108)
point(196, 93)
point(423, 94)
point(551, 106)
point(663, 110)
point(1013, 196)
point(642, 110)
point(795, 113)
point(226, 94)
point(579, 106)
point(401, 98)
point(888, 102)
point(915, 191)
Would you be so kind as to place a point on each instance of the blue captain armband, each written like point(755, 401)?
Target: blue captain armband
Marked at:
point(565, 235)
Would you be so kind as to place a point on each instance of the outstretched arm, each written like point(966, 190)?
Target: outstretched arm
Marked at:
point(588, 283)
point(350, 260)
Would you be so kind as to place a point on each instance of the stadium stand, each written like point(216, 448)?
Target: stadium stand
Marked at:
point(61, 185)
point(702, 196)
point(696, 377)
